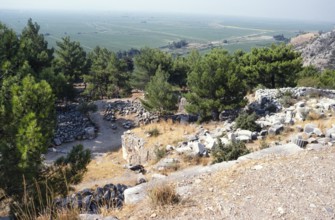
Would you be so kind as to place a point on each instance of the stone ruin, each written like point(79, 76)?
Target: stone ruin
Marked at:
point(128, 107)
point(72, 125)
point(133, 149)
point(89, 200)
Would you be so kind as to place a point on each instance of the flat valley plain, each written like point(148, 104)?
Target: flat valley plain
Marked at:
point(124, 30)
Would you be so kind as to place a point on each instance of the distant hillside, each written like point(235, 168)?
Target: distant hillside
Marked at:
point(317, 50)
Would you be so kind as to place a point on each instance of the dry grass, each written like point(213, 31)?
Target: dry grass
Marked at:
point(107, 167)
point(163, 195)
point(323, 124)
point(194, 160)
point(68, 214)
point(169, 133)
point(313, 116)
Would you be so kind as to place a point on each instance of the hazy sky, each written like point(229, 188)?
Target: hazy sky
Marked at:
point(322, 10)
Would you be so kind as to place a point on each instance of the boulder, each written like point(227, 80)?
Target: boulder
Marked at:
point(197, 147)
point(289, 118)
point(208, 141)
point(231, 137)
point(57, 141)
point(245, 133)
point(301, 113)
point(133, 149)
point(318, 132)
point(275, 129)
point(184, 150)
point(309, 128)
point(330, 133)
point(169, 148)
point(90, 132)
point(141, 179)
point(243, 138)
point(300, 142)
point(134, 194)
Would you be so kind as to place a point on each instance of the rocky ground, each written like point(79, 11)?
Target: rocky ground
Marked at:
point(318, 51)
point(292, 178)
point(298, 186)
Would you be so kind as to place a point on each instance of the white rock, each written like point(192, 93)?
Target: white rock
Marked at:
point(244, 133)
point(135, 194)
point(196, 147)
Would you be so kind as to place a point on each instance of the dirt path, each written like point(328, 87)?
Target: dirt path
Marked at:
point(107, 139)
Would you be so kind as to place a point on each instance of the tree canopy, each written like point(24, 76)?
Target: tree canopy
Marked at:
point(159, 94)
point(71, 59)
point(216, 84)
point(273, 67)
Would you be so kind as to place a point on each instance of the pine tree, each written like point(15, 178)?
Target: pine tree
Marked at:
point(71, 59)
point(215, 84)
point(27, 123)
point(159, 94)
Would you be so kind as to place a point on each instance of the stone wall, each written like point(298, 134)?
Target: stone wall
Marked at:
point(133, 149)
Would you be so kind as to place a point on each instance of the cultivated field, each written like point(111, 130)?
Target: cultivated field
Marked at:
point(121, 31)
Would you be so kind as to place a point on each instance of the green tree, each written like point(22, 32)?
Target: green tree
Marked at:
point(59, 84)
point(273, 67)
point(146, 65)
point(27, 124)
point(108, 76)
point(178, 74)
point(34, 48)
point(9, 48)
point(215, 84)
point(71, 59)
point(327, 79)
point(159, 94)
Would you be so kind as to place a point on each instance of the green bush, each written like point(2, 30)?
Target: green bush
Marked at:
point(153, 132)
point(159, 153)
point(228, 152)
point(247, 122)
point(85, 107)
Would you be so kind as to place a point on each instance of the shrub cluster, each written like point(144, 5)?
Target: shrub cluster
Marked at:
point(247, 122)
point(228, 152)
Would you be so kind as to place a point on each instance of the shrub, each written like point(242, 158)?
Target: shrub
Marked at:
point(85, 107)
point(263, 144)
point(247, 122)
point(228, 152)
point(153, 132)
point(286, 99)
point(309, 82)
point(163, 195)
point(159, 153)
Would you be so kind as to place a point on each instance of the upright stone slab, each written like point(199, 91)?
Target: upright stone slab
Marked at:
point(133, 149)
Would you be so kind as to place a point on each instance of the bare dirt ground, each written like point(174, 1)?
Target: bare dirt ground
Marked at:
point(300, 186)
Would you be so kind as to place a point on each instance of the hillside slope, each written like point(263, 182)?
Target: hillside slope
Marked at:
point(290, 187)
point(317, 50)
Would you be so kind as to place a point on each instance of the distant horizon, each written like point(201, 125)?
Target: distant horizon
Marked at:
point(123, 30)
point(151, 13)
point(305, 10)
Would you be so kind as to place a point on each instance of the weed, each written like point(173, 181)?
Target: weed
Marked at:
point(153, 132)
point(163, 195)
point(159, 153)
point(263, 144)
point(195, 160)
